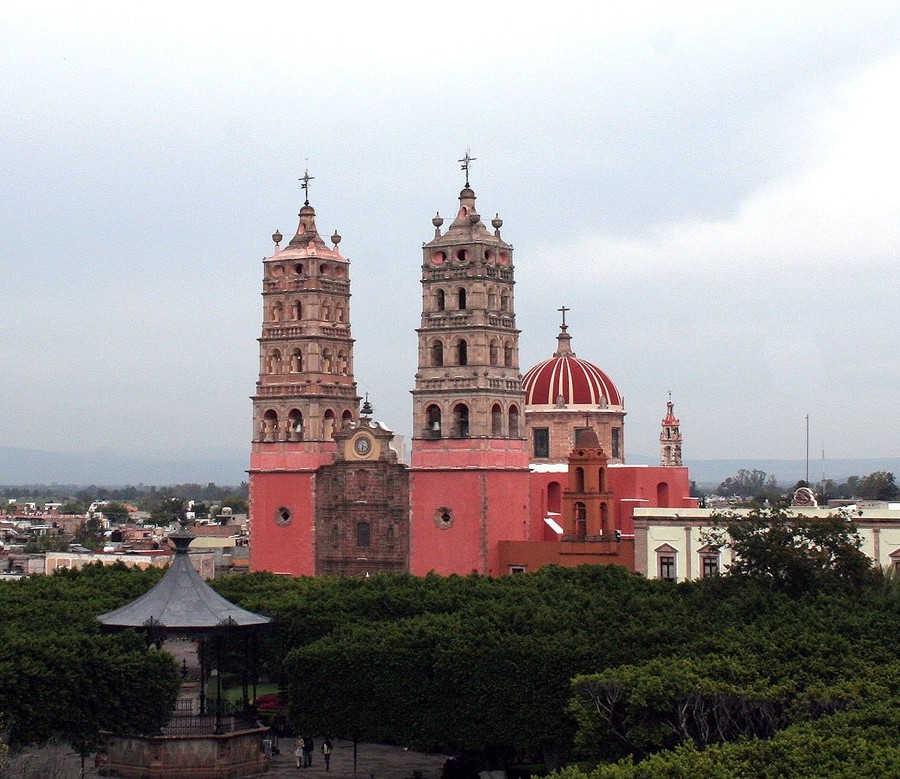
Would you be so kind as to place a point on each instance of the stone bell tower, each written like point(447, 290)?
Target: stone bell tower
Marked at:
point(469, 458)
point(670, 438)
point(305, 391)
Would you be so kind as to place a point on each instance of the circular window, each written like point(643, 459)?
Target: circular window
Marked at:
point(443, 517)
point(503, 258)
point(438, 257)
point(277, 270)
point(323, 268)
point(283, 516)
point(298, 269)
point(488, 255)
point(461, 255)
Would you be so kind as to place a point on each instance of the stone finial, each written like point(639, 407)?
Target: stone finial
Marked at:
point(336, 238)
point(277, 236)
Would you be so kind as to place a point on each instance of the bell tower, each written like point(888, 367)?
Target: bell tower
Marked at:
point(468, 442)
point(305, 391)
point(670, 438)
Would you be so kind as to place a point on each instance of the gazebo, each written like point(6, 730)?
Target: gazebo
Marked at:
point(195, 744)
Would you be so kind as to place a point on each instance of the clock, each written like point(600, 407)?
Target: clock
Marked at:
point(362, 446)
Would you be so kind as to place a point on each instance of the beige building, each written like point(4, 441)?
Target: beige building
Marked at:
point(670, 543)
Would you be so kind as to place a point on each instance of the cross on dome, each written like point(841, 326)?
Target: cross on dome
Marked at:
point(466, 161)
point(306, 178)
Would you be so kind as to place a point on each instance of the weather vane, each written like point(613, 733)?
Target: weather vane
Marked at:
point(466, 162)
point(306, 178)
point(563, 310)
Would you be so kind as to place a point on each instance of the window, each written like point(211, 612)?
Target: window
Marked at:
point(580, 520)
point(541, 438)
point(667, 568)
point(616, 443)
point(437, 354)
point(462, 298)
point(462, 352)
point(433, 422)
point(440, 300)
point(709, 566)
point(363, 531)
point(517, 569)
point(513, 422)
point(496, 420)
point(461, 420)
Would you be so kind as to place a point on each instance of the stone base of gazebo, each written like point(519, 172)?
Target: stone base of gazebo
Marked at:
point(226, 756)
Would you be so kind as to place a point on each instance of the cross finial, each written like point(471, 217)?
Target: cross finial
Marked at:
point(563, 310)
point(306, 178)
point(466, 161)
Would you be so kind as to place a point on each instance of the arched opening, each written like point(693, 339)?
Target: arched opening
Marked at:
point(579, 480)
point(275, 361)
point(342, 362)
point(504, 301)
point(276, 311)
point(494, 352)
point(328, 425)
point(326, 312)
point(295, 425)
point(440, 300)
point(327, 360)
point(601, 479)
point(492, 299)
point(296, 361)
point(580, 520)
point(461, 420)
point(296, 310)
point(662, 495)
point(554, 497)
point(437, 354)
point(508, 355)
point(269, 426)
point(433, 422)
point(338, 313)
point(462, 352)
point(496, 420)
point(462, 298)
point(513, 421)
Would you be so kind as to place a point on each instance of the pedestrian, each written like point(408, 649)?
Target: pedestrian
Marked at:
point(298, 749)
point(308, 746)
point(327, 749)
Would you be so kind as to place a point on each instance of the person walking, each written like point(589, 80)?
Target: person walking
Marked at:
point(308, 746)
point(327, 749)
point(298, 749)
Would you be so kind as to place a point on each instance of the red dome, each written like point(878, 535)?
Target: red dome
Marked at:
point(579, 382)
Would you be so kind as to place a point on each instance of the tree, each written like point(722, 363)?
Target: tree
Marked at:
point(793, 553)
point(114, 512)
point(751, 484)
point(879, 485)
point(168, 511)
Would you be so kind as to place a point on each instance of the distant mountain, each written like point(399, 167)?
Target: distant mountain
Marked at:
point(711, 473)
point(30, 466)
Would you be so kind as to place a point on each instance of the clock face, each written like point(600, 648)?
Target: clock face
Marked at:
point(363, 446)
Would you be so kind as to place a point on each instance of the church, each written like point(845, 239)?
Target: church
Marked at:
point(509, 469)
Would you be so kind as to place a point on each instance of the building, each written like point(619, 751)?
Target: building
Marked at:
point(507, 471)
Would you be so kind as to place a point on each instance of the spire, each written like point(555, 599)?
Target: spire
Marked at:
point(564, 340)
point(670, 439)
point(306, 230)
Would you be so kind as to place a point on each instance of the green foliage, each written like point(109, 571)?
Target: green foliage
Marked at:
point(879, 485)
point(792, 552)
point(755, 485)
point(167, 511)
point(59, 677)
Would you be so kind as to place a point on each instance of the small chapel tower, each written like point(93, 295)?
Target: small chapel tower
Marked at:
point(670, 438)
point(305, 391)
point(469, 457)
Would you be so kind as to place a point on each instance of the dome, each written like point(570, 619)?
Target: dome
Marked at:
point(565, 378)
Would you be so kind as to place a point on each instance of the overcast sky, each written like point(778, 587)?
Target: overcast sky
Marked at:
point(713, 190)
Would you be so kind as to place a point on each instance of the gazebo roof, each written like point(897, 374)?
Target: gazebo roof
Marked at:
point(181, 602)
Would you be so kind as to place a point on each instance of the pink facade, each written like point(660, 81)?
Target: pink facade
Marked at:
point(489, 486)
